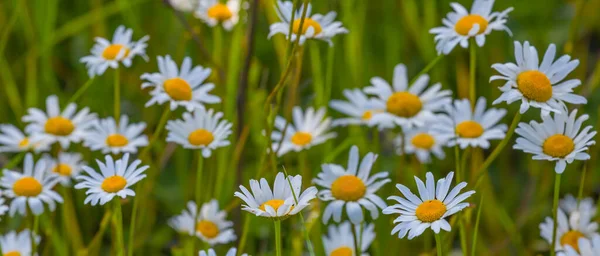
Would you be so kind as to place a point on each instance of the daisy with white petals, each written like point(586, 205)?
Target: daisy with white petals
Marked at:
point(3, 207)
point(538, 85)
point(30, 189)
point(359, 108)
point(570, 204)
point(468, 128)
point(52, 126)
point(18, 244)
point(317, 26)
point(586, 247)
point(559, 138)
point(278, 203)
point(569, 230)
point(201, 129)
point(180, 87)
point(422, 142)
point(340, 241)
point(109, 54)
point(213, 12)
point(429, 210)
point(407, 105)
point(351, 187)
point(13, 140)
point(114, 179)
point(308, 129)
point(211, 226)
point(461, 25)
point(210, 252)
point(110, 137)
point(67, 166)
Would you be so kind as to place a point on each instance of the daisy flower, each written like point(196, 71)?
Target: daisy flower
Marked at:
point(340, 241)
point(570, 229)
point(30, 189)
point(180, 87)
point(351, 187)
point(3, 207)
point(110, 137)
point(308, 129)
point(114, 179)
point(211, 226)
point(201, 129)
point(461, 25)
point(67, 165)
point(359, 108)
point(210, 252)
point(471, 128)
point(56, 126)
point(538, 85)
point(13, 140)
point(422, 142)
point(17, 244)
point(556, 139)
point(184, 5)
point(317, 26)
point(407, 105)
point(586, 247)
point(279, 203)
point(213, 12)
point(430, 209)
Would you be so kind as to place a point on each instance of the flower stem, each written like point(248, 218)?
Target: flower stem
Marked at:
point(438, 244)
point(131, 237)
point(459, 177)
point(13, 161)
point(480, 206)
point(161, 125)
point(581, 184)
point(34, 230)
point(555, 212)
point(81, 90)
point(277, 224)
point(70, 219)
point(117, 96)
point(118, 220)
point(429, 66)
point(199, 173)
point(472, 68)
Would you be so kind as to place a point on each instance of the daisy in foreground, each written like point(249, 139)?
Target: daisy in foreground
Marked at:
point(13, 140)
point(407, 105)
point(114, 179)
point(430, 209)
point(538, 85)
point(55, 126)
point(351, 187)
point(321, 27)
point(461, 25)
point(213, 12)
point(203, 130)
point(109, 137)
point(340, 241)
point(67, 166)
point(108, 54)
point(211, 226)
point(211, 252)
point(569, 230)
point(359, 108)
point(468, 128)
point(586, 247)
point(278, 203)
point(180, 87)
point(308, 129)
point(422, 142)
point(18, 244)
point(557, 138)
point(30, 189)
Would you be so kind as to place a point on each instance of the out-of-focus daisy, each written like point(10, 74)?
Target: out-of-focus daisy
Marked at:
point(213, 12)
point(13, 140)
point(184, 5)
point(407, 106)
point(67, 166)
point(180, 87)
point(210, 252)
point(430, 210)
point(538, 85)
point(211, 226)
point(351, 187)
point(201, 129)
point(18, 244)
point(3, 207)
point(569, 230)
point(279, 202)
point(114, 179)
point(109, 137)
point(422, 142)
point(340, 241)
point(468, 128)
point(322, 27)
point(56, 126)
point(570, 204)
point(556, 139)
point(108, 54)
point(586, 247)
point(30, 189)
point(308, 129)
point(460, 25)
point(359, 108)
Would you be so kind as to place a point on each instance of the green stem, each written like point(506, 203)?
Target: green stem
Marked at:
point(134, 212)
point(555, 212)
point(34, 231)
point(457, 163)
point(244, 237)
point(581, 184)
point(309, 244)
point(277, 224)
point(479, 207)
point(117, 96)
point(161, 125)
point(199, 173)
point(438, 244)
point(81, 90)
point(427, 68)
point(118, 220)
point(70, 220)
point(472, 68)
point(14, 161)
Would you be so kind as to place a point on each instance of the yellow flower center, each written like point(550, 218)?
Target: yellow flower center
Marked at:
point(111, 52)
point(469, 129)
point(430, 211)
point(423, 141)
point(348, 188)
point(200, 137)
point(558, 145)
point(571, 238)
point(404, 104)
point(535, 85)
point(219, 12)
point(207, 228)
point(301, 138)
point(342, 251)
point(62, 169)
point(113, 184)
point(275, 203)
point(27, 186)
point(12, 253)
point(464, 25)
point(116, 140)
point(367, 115)
point(24, 142)
point(308, 22)
point(178, 89)
point(59, 126)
